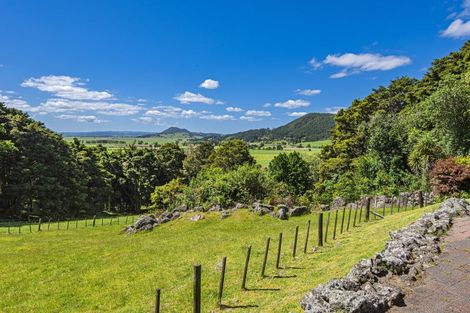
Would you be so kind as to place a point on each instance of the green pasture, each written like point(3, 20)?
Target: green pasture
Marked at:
point(100, 269)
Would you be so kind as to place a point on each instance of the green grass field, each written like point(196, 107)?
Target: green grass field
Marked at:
point(263, 157)
point(102, 270)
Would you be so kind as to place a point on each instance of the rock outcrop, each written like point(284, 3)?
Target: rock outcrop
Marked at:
point(369, 286)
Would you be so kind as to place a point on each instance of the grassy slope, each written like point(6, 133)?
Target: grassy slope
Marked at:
point(101, 270)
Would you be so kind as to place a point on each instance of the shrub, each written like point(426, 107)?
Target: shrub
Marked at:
point(214, 185)
point(166, 196)
point(450, 178)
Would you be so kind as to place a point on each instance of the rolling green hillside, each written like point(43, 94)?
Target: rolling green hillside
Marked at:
point(310, 127)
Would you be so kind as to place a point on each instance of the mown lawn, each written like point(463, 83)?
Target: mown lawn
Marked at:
point(102, 270)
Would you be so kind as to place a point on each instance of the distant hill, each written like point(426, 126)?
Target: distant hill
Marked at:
point(310, 127)
point(181, 132)
point(175, 130)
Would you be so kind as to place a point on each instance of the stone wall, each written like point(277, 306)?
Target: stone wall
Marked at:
point(371, 285)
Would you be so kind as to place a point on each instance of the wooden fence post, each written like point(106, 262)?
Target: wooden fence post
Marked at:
point(49, 224)
point(76, 223)
point(245, 269)
point(94, 220)
point(86, 222)
point(306, 236)
point(19, 228)
point(320, 229)
point(420, 199)
point(349, 219)
point(336, 222)
point(197, 289)
point(342, 219)
point(222, 280)
point(355, 216)
point(30, 229)
point(327, 226)
point(9, 224)
point(295, 240)
point(68, 221)
point(157, 301)
point(279, 247)
point(360, 213)
point(265, 259)
point(368, 209)
point(39, 224)
point(383, 209)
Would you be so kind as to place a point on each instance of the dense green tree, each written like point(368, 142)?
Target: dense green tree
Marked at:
point(230, 154)
point(291, 169)
point(198, 158)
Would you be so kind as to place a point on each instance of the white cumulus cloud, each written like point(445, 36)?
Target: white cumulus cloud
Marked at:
point(292, 104)
point(250, 118)
point(65, 87)
point(106, 108)
point(189, 97)
point(457, 29)
point(81, 118)
point(15, 103)
point(210, 84)
point(224, 117)
point(308, 92)
point(257, 113)
point(367, 61)
point(296, 114)
point(234, 109)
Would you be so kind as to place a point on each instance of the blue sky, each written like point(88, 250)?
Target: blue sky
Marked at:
point(213, 66)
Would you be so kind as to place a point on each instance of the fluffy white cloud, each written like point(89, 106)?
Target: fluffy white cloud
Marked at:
point(257, 113)
point(209, 84)
point(66, 87)
point(234, 109)
point(106, 108)
point(250, 118)
point(224, 117)
point(15, 103)
point(296, 114)
point(308, 92)
point(189, 97)
point(333, 110)
point(292, 104)
point(172, 112)
point(81, 118)
point(457, 29)
point(267, 105)
point(367, 61)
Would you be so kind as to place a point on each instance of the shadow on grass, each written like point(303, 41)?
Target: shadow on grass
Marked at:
point(262, 289)
point(247, 306)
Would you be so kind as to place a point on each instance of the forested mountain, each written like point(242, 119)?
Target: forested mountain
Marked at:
point(310, 127)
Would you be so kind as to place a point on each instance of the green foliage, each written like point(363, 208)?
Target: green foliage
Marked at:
point(245, 184)
point(165, 197)
point(198, 158)
point(230, 154)
point(389, 141)
point(292, 170)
